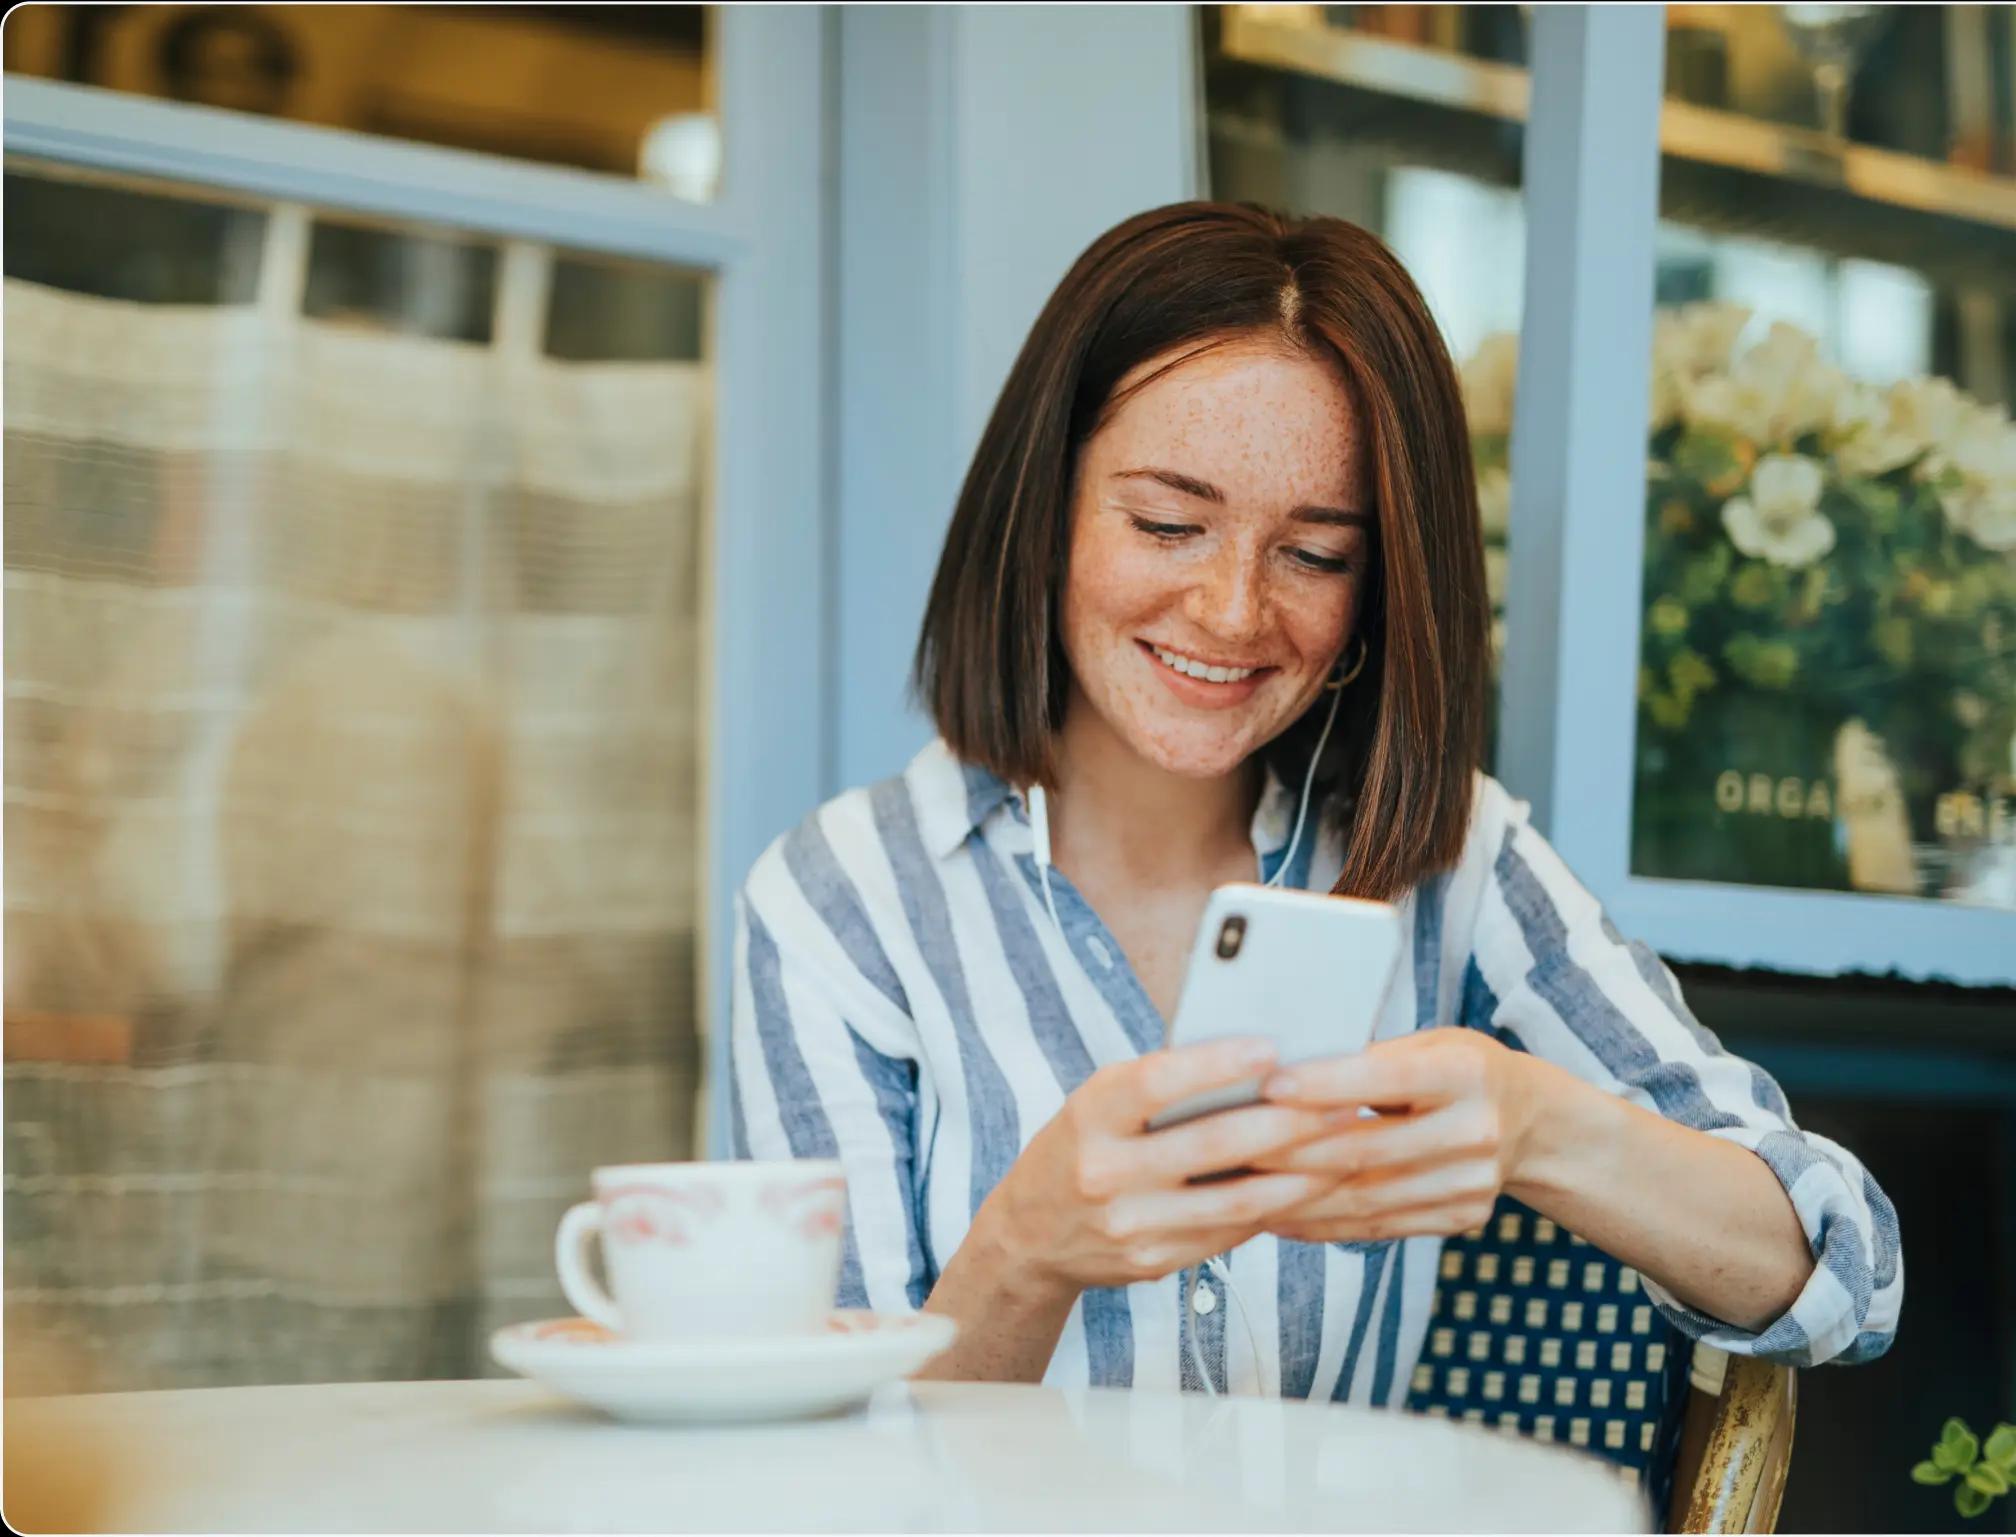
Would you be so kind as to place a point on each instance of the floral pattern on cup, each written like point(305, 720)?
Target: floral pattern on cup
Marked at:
point(650, 1214)
point(814, 1208)
point(707, 1249)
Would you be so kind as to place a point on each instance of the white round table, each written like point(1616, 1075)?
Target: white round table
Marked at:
point(504, 1456)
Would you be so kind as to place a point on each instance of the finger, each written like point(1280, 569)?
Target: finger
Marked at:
point(1439, 1221)
point(1231, 1139)
point(1390, 1074)
point(1469, 1179)
point(1249, 1200)
point(1165, 1253)
point(1130, 1094)
point(1389, 1144)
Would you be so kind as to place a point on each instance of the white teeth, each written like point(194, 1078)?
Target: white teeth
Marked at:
point(1195, 669)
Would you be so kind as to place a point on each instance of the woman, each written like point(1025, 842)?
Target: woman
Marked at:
point(1225, 504)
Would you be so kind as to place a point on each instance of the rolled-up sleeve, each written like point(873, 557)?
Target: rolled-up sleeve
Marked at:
point(823, 1059)
point(1550, 974)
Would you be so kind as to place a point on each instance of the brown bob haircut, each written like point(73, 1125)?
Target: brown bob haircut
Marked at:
point(1168, 284)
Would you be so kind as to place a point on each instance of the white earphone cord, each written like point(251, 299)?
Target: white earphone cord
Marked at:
point(1039, 826)
point(1308, 783)
point(1224, 1274)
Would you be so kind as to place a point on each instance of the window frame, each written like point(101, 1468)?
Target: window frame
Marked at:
point(1569, 714)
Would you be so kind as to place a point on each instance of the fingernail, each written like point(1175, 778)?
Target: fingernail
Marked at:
point(1258, 1055)
point(1281, 1086)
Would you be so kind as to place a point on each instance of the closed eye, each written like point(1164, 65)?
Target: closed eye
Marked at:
point(1168, 531)
point(1334, 565)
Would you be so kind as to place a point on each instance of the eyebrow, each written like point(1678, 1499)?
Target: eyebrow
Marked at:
point(1203, 490)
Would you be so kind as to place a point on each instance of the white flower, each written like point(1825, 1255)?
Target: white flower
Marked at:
point(1987, 517)
point(1697, 338)
point(1980, 449)
point(1781, 519)
point(1776, 391)
point(1867, 438)
point(1930, 410)
point(1715, 402)
point(1687, 342)
point(1494, 500)
point(1488, 381)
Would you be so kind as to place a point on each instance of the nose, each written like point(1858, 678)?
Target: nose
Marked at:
point(1229, 599)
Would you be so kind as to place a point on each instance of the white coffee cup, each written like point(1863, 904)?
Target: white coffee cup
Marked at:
point(707, 1248)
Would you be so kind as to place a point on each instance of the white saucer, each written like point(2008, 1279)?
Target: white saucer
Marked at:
point(768, 1377)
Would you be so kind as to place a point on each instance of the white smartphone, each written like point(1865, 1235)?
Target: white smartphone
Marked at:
point(1306, 969)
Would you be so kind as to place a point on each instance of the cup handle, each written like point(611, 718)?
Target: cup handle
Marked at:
point(580, 1227)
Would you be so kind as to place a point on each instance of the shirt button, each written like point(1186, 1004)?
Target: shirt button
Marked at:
point(1205, 1300)
point(1099, 951)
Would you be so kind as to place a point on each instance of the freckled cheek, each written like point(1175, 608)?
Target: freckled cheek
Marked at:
point(1117, 583)
point(1316, 618)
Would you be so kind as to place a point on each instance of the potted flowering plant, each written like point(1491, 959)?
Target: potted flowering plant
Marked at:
point(1827, 682)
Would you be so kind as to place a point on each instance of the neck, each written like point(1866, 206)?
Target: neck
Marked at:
point(1112, 806)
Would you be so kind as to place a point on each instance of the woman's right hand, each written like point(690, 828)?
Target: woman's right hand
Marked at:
point(1097, 1199)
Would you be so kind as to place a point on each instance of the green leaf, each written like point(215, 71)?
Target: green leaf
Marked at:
point(2000, 1448)
point(1969, 1501)
point(1667, 616)
point(1755, 586)
point(1953, 1459)
point(1962, 1441)
point(1931, 1473)
point(1701, 580)
point(1988, 1478)
point(1712, 457)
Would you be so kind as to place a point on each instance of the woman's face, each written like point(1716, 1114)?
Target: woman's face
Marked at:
point(1221, 529)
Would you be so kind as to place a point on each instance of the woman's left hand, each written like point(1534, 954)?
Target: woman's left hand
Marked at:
point(1455, 1113)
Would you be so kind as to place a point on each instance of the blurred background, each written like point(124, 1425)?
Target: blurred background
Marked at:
point(472, 475)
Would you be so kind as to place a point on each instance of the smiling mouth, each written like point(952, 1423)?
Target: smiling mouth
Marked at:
point(1201, 671)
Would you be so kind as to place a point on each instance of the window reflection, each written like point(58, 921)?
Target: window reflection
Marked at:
point(1826, 689)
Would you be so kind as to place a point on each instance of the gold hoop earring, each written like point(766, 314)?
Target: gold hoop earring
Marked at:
point(1351, 672)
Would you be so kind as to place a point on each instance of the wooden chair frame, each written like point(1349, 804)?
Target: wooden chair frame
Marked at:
point(1735, 1451)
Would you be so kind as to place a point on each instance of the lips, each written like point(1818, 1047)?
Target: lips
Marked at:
point(1202, 669)
point(1202, 682)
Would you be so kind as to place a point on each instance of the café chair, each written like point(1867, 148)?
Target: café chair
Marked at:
point(1536, 1332)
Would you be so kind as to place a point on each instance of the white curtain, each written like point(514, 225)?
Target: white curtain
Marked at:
point(352, 832)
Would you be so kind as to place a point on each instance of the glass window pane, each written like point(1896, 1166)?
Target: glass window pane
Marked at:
point(353, 666)
point(118, 242)
point(624, 90)
point(1408, 121)
point(1827, 689)
point(609, 311)
point(400, 280)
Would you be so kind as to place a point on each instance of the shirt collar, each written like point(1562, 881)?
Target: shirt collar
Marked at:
point(955, 799)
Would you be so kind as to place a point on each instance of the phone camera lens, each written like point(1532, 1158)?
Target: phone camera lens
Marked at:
point(1230, 937)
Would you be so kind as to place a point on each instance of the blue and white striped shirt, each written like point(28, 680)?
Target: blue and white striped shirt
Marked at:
point(902, 1001)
